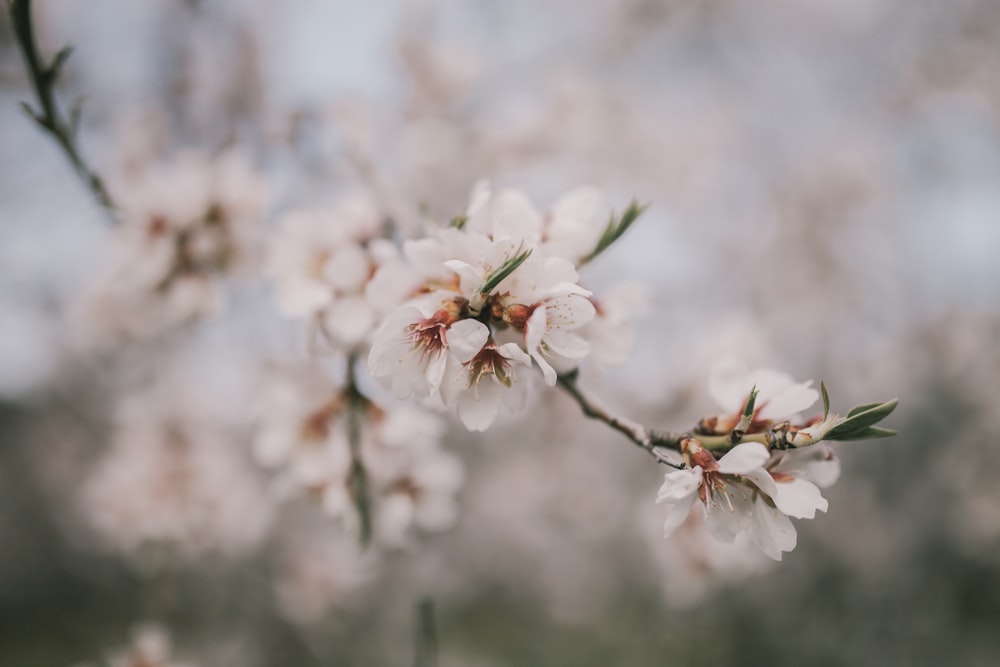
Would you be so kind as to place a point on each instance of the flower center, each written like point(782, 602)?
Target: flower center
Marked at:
point(489, 361)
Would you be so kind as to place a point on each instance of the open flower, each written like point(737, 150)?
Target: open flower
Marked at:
point(412, 347)
point(484, 383)
point(779, 396)
point(322, 263)
point(724, 486)
point(749, 490)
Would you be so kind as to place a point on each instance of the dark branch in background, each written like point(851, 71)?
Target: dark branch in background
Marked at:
point(357, 480)
point(48, 115)
point(425, 639)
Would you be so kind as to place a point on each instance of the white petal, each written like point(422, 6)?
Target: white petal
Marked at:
point(743, 458)
point(791, 399)
point(348, 268)
point(514, 352)
point(567, 344)
point(772, 530)
point(763, 480)
point(729, 383)
point(534, 330)
point(466, 338)
point(391, 285)
point(679, 484)
point(471, 277)
point(548, 372)
point(515, 217)
point(455, 381)
point(478, 407)
point(677, 512)
point(799, 498)
point(726, 524)
point(299, 295)
point(349, 320)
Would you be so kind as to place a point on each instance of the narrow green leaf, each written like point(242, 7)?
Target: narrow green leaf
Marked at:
point(862, 408)
point(497, 276)
point(57, 63)
point(860, 418)
point(826, 399)
point(751, 401)
point(458, 222)
point(870, 433)
point(616, 228)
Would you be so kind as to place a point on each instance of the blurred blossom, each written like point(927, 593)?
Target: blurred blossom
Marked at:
point(323, 264)
point(319, 571)
point(173, 485)
point(150, 647)
point(185, 226)
point(303, 434)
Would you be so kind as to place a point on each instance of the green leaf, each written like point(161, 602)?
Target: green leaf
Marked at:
point(748, 410)
point(870, 433)
point(862, 408)
point(616, 228)
point(458, 222)
point(496, 276)
point(826, 399)
point(860, 420)
point(57, 63)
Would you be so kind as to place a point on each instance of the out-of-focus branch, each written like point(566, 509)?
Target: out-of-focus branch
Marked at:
point(425, 642)
point(48, 116)
point(358, 477)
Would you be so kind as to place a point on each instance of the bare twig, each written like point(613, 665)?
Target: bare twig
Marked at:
point(49, 117)
point(652, 441)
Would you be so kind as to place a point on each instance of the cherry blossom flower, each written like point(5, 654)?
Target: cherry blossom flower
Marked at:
point(322, 263)
point(779, 396)
point(724, 486)
point(150, 647)
point(749, 491)
point(174, 485)
point(184, 225)
point(304, 435)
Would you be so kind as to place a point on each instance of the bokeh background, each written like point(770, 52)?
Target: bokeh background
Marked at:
point(824, 180)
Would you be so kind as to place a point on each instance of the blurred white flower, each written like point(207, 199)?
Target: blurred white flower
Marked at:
point(779, 396)
point(184, 225)
point(319, 570)
point(322, 262)
point(150, 647)
point(610, 333)
point(303, 434)
point(173, 485)
point(749, 491)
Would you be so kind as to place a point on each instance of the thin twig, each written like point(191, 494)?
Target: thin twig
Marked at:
point(650, 440)
point(49, 117)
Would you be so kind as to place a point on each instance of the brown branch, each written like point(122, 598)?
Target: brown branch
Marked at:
point(49, 117)
point(654, 442)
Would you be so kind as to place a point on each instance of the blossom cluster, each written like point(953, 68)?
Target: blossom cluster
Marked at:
point(751, 489)
point(182, 227)
point(305, 431)
point(494, 295)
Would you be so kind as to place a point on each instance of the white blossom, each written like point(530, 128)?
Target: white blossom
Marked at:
point(322, 263)
point(173, 485)
point(184, 226)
